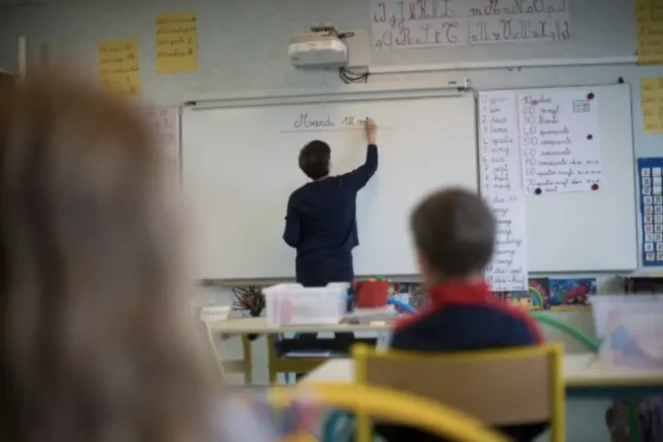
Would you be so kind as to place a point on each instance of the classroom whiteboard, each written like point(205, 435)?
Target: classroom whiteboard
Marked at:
point(239, 167)
point(590, 230)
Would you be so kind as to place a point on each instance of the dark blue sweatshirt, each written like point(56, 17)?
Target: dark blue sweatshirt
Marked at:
point(464, 316)
point(321, 223)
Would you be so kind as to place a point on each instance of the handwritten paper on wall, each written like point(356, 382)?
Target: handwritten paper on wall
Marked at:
point(177, 43)
point(165, 123)
point(501, 187)
point(559, 139)
point(500, 150)
point(651, 97)
point(119, 68)
point(416, 23)
point(649, 24)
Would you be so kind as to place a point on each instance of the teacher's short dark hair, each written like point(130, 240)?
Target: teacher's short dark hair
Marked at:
point(314, 159)
point(455, 230)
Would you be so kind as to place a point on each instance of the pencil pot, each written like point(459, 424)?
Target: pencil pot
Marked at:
point(630, 329)
point(371, 294)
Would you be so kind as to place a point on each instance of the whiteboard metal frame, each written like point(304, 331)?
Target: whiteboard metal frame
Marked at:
point(363, 92)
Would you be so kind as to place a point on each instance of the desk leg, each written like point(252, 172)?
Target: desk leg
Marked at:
point(247, 345)
point(634, 420)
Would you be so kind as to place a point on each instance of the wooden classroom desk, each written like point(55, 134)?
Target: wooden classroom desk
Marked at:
point(258, 326)
point(585, 375)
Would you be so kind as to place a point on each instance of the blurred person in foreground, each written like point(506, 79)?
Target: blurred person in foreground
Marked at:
point(97, 341)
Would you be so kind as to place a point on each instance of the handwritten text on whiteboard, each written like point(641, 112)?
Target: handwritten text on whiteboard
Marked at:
point(425, 23)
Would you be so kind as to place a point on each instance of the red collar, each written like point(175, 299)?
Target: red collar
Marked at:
point(459, 292)
point(453, 293)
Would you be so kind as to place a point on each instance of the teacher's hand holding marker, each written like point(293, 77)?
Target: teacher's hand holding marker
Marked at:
point(371, 131)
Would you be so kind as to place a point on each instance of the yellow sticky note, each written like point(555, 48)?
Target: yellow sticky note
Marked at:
point(651, 97)
point(119, 67)
point(177, 43)
point(649, 25)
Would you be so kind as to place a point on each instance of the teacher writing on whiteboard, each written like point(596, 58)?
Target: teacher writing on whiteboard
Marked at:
point(321, 220)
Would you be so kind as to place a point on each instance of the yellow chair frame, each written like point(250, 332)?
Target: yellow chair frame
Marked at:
point(410, 372)
point(244, 366)
point(395, 406)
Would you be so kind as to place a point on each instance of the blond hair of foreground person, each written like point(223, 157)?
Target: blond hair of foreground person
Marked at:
point(97, 342)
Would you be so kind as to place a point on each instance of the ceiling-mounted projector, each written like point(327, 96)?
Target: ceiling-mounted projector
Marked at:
point(323, 47)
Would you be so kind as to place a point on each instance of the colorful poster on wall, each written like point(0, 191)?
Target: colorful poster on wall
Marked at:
point(552, 294)
point(177, 43)
point(571, 292)
point(534, 298)
point(651, 97)
point(649, 25)
point(119, 67)
point(650, 176)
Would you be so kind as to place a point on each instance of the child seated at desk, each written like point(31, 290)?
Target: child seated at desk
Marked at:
point(454, 236)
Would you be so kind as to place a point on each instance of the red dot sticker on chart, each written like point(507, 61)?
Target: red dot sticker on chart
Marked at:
point(590, 96)
point(595, 186)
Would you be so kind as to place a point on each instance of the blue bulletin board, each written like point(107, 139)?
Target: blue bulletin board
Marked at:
point(650, 177)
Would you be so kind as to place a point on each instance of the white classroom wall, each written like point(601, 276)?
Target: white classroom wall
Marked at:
point(242, 46)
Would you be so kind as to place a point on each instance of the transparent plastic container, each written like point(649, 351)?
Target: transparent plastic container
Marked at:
point(630, 328)
point(289, 304)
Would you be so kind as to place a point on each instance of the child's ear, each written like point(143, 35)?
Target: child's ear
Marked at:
point(423, 262)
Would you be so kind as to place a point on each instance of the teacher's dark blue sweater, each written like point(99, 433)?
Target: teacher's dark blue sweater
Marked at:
point(321, 224)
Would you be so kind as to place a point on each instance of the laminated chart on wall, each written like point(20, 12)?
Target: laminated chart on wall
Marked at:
point(177, 43)
point(651, 97)
point(119, 67)
point(650, 175)
point(649, 26)
point(501, 188)
point(400, 24)
point(559, 139)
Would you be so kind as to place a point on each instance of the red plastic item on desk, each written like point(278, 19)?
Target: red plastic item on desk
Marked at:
point(371, 294)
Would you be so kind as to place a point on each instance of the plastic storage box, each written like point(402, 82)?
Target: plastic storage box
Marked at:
point(630, 328)
point(288, 304)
